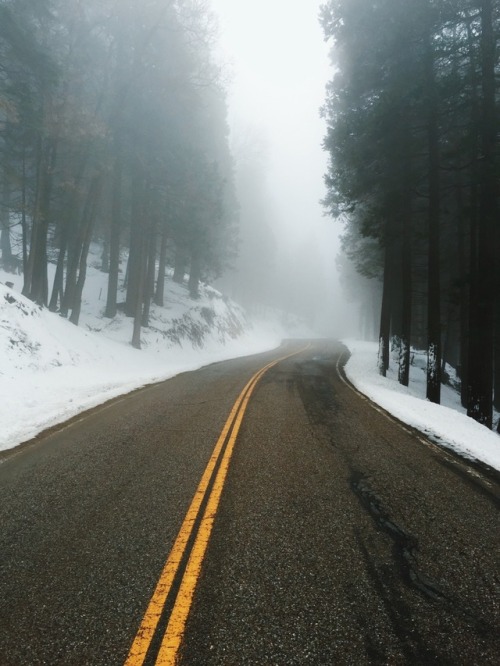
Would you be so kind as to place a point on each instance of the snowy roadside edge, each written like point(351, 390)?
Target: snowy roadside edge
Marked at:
point(443, 425)
point(96, 393)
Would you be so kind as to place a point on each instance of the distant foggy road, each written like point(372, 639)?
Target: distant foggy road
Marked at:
point(339, 538)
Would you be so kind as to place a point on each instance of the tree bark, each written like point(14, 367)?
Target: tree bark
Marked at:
point(5, 244)
point(479, 403)
point(58, 285)
point(75, 252)
point(114, 238)
point(385, 314)
point(35, 277)
point(136, 334)
point(150, 275)
point(406, 282)
point(94, 196)
point(135, 265)
point(160, 282)
point(434, 268)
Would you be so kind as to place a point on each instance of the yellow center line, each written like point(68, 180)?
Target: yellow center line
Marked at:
point(178, 618)
point(167, 655)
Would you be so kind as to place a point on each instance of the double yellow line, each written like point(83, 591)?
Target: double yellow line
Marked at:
point(167, 655)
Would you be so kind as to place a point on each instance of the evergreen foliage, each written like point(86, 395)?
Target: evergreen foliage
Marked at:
point(412, 113)
point(113, 127)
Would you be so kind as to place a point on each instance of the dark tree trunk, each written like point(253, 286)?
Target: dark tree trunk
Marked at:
point(5, 244)
point(150, 275)
point(67, 229)
point(58, 286)
point(385, 314)
point(137, 276)
point(496, 381)
point(75, 253)
point(105, 256)
point(35, 278)
point(434, 283)
point(479, 403)
point(24, 224)
point(136, 334)
point(114, 240)
point(406, 282)
point(35, 222)
point(135, 263)
point(141, 279)
point(94, 196)
point(160, 283)
point(463, 295)
point(448, 339)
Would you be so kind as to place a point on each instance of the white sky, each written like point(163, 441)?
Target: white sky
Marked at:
point(280, 68)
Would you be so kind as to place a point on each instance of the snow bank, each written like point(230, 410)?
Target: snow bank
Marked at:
point(446, 424)
point(52, 370)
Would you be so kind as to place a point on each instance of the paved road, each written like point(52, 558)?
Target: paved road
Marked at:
point(339, 538)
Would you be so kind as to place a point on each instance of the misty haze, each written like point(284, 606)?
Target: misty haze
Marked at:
point(250, 331)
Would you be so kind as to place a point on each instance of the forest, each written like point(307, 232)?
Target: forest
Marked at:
point(113, 128)
point(412, 116)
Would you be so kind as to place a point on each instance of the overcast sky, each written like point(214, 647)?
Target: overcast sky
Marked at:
point(280, 67)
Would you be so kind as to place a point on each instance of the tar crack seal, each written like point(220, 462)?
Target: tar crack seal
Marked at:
point(405, 545)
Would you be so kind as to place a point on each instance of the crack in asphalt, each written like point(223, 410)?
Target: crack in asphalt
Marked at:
point(405, 545)
point(405, 549)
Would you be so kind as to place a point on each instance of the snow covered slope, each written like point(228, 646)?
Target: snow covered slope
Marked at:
point(51, 370)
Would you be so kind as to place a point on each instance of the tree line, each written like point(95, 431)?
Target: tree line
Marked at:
point(112, 127)
point(413, 113)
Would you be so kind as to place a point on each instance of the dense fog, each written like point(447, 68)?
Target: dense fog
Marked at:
point(278, 68)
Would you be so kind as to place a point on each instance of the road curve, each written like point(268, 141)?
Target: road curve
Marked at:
point(339, 538)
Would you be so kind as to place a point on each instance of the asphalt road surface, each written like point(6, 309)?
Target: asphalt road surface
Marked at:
point(320, 532)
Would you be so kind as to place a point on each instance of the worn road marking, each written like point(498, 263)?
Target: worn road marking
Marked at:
point(177, 622)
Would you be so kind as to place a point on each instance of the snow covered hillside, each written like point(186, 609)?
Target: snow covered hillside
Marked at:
point(52, 370)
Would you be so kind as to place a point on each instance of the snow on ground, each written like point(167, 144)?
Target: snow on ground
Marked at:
point(446, 424)
point(52, 370)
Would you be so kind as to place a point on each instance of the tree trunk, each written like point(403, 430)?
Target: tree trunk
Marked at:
point(434, 283)
point(137, 277)
point(75, 252)
point(195, 274)
point(58, 286)
point(463, 298)
point(160, 283)
point(5, 244)
point(105, 255)
point(134, 265)
point(150, 275)
point(136, 334)
point(179, 266)
point(36, 245)
point(24, 224)
point(496, 364)
point(94, 196)
point(479, 404)
point(114, 239)
point(406, 282)
point(385, 314)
